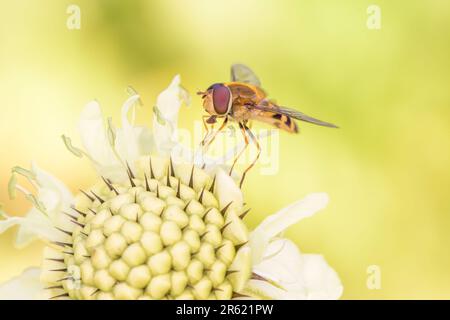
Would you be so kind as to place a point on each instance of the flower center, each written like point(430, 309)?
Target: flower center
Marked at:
point(154, 238)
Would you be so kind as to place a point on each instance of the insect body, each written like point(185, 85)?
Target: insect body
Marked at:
point(243, 100)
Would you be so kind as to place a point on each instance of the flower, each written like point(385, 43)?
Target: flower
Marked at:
point(157, 226)
point(288, 274)
point(150, 238)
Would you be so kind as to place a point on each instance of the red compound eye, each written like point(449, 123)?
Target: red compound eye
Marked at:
point(221, 98)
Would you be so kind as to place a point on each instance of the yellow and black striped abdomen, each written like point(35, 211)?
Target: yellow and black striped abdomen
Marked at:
point(281, 121)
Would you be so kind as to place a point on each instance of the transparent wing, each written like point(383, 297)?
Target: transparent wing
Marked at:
point(293, 114)
point(242, 73)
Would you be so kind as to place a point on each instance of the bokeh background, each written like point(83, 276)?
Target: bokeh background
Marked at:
point(386, 169)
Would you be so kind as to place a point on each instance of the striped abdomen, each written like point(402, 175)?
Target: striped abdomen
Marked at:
point(281, 121)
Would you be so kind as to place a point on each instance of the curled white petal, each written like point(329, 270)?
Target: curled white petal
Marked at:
point(228, 191)
point(142, 143)
point(95, 141)
point(24, 287)
point(290, 215)
point(47, 181)
point(278, 222)
point(94, 136)
point(131, 141)
point(292, 275)
point(168, 104)
point(35, 225)
point(55, 198)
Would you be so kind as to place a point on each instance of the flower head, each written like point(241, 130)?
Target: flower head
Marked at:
point(165, 233)
point(158, 226)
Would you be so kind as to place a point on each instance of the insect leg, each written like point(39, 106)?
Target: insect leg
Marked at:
point(255, 141)
point(224, 123)
point(208, 129)
point(204, 122)
point(244, 134)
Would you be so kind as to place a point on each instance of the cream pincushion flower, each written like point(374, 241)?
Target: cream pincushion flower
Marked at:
point(165, 233)
point(157, 227)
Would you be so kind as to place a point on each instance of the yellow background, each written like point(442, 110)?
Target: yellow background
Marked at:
point(386, 169)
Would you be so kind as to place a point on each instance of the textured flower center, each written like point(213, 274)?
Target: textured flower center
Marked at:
point(152, 238)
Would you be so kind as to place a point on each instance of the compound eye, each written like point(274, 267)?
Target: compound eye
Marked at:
point(221, 98)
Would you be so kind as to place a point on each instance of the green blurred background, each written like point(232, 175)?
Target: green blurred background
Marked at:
point(386, 170)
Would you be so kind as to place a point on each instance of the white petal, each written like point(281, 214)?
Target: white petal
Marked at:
point(320, 279)
point(9, 222)
point(94, 137)
point(297, 276)
point(168, 103)
point(130, 139)
point(128, 104)
point(264, 290)
point(50, 199)
point(49, 182)
point(297, 211)
point(24, 287)
point(34, 225)
point(56, 198)
point(278, 222)
point(281, 262)
point(132, 143)
point(228, 191)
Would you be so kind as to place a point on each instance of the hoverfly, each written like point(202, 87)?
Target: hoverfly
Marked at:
point(242, 100)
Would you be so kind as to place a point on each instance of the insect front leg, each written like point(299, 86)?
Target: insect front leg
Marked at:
point(222, 126)
point(211, 120)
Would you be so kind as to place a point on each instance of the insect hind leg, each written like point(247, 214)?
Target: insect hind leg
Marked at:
point(255, 141)
point(244, 134)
